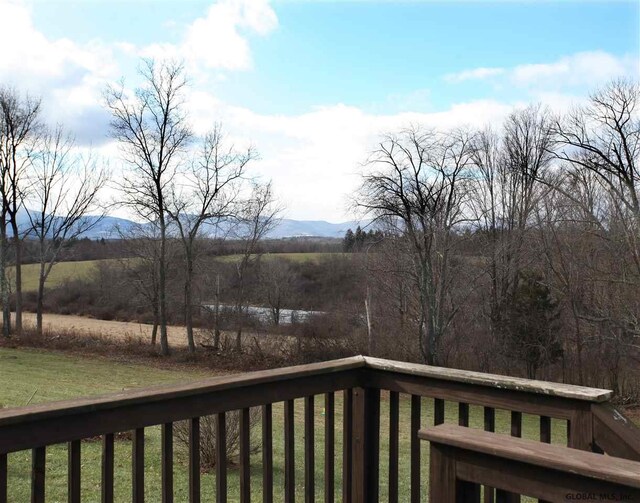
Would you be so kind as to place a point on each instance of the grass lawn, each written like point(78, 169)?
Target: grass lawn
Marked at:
point(35, 376)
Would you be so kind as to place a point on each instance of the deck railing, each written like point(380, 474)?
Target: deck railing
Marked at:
point(592, 424)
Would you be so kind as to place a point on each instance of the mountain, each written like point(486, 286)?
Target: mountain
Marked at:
point(113, 227)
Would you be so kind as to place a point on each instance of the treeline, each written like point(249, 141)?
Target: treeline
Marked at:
point(513, 249)
point(360, 240)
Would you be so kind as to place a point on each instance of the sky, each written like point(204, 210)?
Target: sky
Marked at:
point(312, 84)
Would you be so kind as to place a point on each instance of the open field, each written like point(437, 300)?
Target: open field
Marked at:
point(29, 375)
point(292, 257)
point(60, 272)
point(83, 269)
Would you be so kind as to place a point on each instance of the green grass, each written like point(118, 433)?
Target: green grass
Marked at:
point(64, 271)
point(315, 257)
point(61, 272)
point(35, 376)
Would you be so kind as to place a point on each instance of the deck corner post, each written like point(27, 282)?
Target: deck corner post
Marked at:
point(365, 445)
point(581, 430)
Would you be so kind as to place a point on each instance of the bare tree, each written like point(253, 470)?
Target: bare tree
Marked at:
point(255, 217)
point(506, 195)
point(277, 279)
point(416, 183)
point(205, 195)
point(63, 190)
point(152, 130)
point(19, 124)
point(603, 137)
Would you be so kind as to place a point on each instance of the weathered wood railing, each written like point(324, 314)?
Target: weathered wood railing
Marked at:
point(590, 422)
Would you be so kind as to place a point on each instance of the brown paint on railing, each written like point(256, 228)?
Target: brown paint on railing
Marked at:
point(3, 478)
point(194, 460)
point(289, 453)
point(245, 460)
point(107, 468)
point(73, 471)
point(166, 462)
point(347, 454)
point(38, 460)
point(221, 457)
point(463, 414)
point(137, 465)
point(416, 406)
point(394, 444)
point(329, 448)
point(267, 453)
point(309, 450)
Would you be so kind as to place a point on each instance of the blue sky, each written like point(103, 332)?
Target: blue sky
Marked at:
point(311, 83)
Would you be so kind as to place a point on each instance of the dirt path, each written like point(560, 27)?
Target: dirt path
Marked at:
point(121, 329)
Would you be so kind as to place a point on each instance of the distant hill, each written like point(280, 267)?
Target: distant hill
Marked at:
point(113, 227)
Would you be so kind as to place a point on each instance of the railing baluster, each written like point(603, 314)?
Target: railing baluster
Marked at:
point(394, 443)
point(3, 478)
point(489, 425)
point(194, 460)
point(267, 453)
point(516, 431)
point(545, 429)
point(347, 454)
point(438, 411)
point(309, 447)
point(289, 453)
point(38, 459)
point(366, 444)
point(245, 451)
point(137, 473)
point(107, 468)
point(463, 414)
point(545, 435)
point(329, 448)
point(167, 462)
point(73, 482)
point(221, 457)
point(516, 424)
point(416, 405)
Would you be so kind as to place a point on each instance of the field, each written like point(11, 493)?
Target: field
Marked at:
point(59, 273)
point(64, 271)
point(30, 376)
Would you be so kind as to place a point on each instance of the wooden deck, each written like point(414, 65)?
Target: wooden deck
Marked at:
point(592, 425)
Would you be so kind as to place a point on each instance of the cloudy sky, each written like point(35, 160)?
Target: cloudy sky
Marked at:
point(312, 83)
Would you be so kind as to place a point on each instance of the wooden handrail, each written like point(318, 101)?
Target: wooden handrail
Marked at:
point(588, 419)
point(496, 381)
point(463, 459)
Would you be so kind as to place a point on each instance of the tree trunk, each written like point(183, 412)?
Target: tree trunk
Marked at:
point(18, 245)
point(40, 300)
point(162, 291)
point(216, 322)
point(4, 283)
point(367, 309)
point(188, 315)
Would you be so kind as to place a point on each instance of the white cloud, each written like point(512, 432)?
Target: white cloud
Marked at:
point(69, 76)
point(585, 69)
point(219, 39)
point(474, 74)
point(315, 158)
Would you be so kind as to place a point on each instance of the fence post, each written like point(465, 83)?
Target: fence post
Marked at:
point(366, 445)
